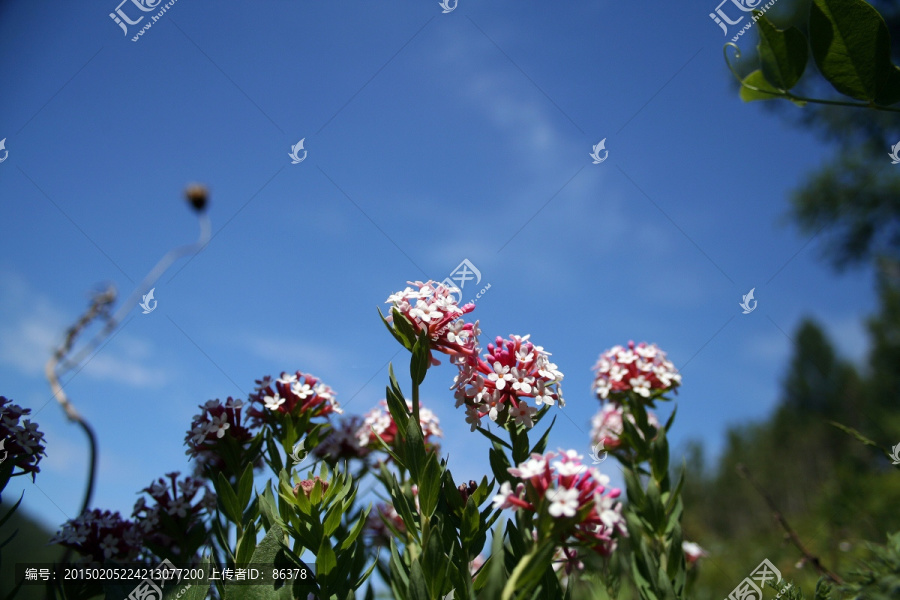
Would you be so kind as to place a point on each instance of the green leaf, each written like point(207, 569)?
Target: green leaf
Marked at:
point(783, 54)
point(492, 575)
point(333, 518)
point(454, 500)
point(417, 588)
point(633, 489)
point(434, 562)
point(267, 508)
point(354, 533)
point(654, 511)
point(228, 500)
point(430, 485)
point(245, 546)
point(659, 457)
point(541, 444)
point(757, 80)
point(415, 450)
point(499, 465)
point(316, 493)
point(270, 551)
point(274, 455)
point(471, 521)
point(851, 45)
point(421, 358)
point(399, 573)
point(676, 493)
point(645, 571)
point(493, 437)
point(520, 444)
point(12, 510)
point(395, 387)
point(529, 570)
point(633, 436)
point(671, 418)
point(403, 508)
point(393, 331)
point(404, 328)
point(245, 487)
point(6, 469)
point(397, 404)
point(325, 558)
point(481, 492)
point(269, 546)
point(675, 559)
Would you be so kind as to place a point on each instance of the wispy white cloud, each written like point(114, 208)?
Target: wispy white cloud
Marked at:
point(291, 354)
point(31, 325)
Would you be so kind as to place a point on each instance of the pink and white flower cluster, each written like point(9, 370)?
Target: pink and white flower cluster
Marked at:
point(433, 308)
point(101, 536)
point(175, 499)
point(22, 442)
point(571, 492)
point(607, 427)
point(642, 369)
point(501, 385)
point(215, 422)
point(378, 530)
point(341, 442)
point(292, 394)
point(379, 421)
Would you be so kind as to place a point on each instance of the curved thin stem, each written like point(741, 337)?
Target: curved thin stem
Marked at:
point(164, 263)
point(99, 308)
point(793, 97)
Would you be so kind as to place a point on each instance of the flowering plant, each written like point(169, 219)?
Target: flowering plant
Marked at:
point(530, 528)
point(21, 444)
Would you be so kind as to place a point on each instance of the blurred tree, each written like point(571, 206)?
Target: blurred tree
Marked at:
point(853, 200)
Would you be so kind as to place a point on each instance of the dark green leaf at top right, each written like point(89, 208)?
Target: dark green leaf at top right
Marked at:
point(782, 53)
point(851, 46)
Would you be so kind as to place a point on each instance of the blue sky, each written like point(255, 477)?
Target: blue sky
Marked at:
point(431, 138)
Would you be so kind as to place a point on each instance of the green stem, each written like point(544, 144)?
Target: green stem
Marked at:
point(415, 403)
